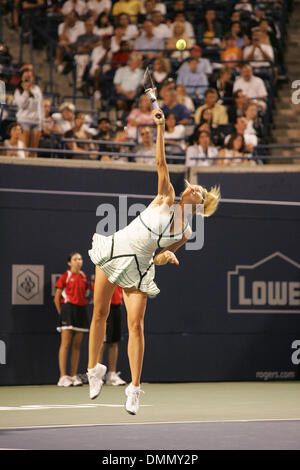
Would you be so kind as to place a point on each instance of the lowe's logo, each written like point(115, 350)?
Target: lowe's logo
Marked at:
point(272, 285)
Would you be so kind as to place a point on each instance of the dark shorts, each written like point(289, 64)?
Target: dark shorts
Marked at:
point(73, 317)
point(114, 324)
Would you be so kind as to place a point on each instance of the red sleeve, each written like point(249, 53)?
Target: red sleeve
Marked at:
point(61, 282)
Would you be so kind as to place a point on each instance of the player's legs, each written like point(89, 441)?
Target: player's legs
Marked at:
point(66, 336)
point(75, 351)
point(135, 302)
point(103, 291)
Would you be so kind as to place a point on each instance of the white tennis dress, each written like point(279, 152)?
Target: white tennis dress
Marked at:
point(127, 255)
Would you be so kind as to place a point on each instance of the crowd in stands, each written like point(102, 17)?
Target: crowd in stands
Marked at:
point(217, 94)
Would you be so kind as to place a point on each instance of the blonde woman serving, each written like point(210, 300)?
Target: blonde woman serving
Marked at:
point(127, 259)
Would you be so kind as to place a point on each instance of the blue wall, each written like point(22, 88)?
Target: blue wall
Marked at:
point(190, 334)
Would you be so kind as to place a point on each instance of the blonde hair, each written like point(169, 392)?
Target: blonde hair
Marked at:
point(210, 199)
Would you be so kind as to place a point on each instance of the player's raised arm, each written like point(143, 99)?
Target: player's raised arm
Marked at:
point(165, 188)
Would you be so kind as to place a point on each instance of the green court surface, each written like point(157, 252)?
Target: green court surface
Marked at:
point(31, 406)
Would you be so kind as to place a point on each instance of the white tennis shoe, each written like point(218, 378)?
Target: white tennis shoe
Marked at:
point(65, 381)
point(95, 377)
point(76, 381)
point(133, 397)
point(113, 378)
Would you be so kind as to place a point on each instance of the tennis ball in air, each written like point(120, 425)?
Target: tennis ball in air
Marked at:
point(181, 44)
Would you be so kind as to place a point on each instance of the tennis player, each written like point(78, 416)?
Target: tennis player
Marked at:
point(127, 259)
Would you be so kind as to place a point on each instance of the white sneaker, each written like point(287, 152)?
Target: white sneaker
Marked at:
point(76, 381)
point(60, 68)
point(133, 396)
point(97, 95)
point(65, 381)
point(95, 377)
point(113, 378)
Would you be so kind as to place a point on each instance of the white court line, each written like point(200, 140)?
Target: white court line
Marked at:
point(52, 407)
point(141, 196)
point(147, 423)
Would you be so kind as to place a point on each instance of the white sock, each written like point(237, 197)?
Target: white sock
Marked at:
point(134, 387)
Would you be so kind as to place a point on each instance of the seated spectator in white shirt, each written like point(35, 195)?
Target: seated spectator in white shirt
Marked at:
point(150, 5)
point(253, 87)
point(183, 98)
point(161, 70)
point(233, 151)
point(96, 7)
point(68, 33)
point(146, 148)
point(101, 62)
point(202, 149)
point(65, 119)
point(160, 29)
point(128, 79)
point(204, 65)
point(149, 45)
point(240, 126)
point(14, 131)
point(74, 5)
point(104, 24)
point(174, 134)
point(130, 31)
point(258, 51)
point(179, 33)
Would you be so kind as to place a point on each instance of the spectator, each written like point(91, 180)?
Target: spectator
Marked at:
point(167, 84)
point(101, 55)
point(121, 57)
point(253, 87)
point(146, 11)
point(254, 125)
point(237, 108)
point(183, 98)
point(241, 40)
point(79, 6)
point(29, 100)
point(84, 46)
point(49, 124)
point(240, 125)
point(138, 116)
point(179, 33)
point(160, 29)
point(204, 65)
point(179, 110)
point(131, 7)
point(104, 25)
point(224, 85)
point(79, 132)
point(112, 338)
point(116, 39)
point(174, 134)
point(68, 33)
point(149, 45)
point(130, 31)
point(146, 148)
point(202, 149)
point(97, 7)
point(128, 79)
point(104, 130)
point(258, 15)
point(14, 131)
point(243, 5)
point(235, 148)
point(231, 53)
point(181, 17)
point(210, 30)
point(195, 83)
point(66, 117)
point(32, 13)
point(258, 51)
point(161, 70)
point(219, 111)
point(70, 301)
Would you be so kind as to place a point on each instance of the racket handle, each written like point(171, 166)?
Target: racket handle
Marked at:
point(155, 105)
